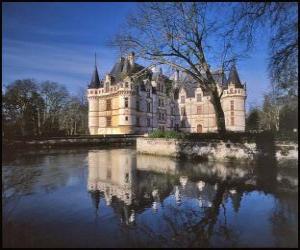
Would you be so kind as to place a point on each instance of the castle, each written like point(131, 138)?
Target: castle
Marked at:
point(130, 102)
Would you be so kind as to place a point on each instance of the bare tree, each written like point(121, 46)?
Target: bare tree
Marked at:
point(281, 20)
point(186, 36)
point(55, 97)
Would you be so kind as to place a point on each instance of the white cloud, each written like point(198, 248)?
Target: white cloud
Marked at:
point(67, 62)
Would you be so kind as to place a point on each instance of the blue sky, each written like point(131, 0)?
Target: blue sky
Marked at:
point(57, 42)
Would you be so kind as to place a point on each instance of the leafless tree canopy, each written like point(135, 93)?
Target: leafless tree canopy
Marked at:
point(281, 20)
point(186, 36)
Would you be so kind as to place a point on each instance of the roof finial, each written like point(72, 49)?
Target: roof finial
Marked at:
point(95, 59)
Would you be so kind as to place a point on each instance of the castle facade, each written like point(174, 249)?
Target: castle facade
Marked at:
point(130, 102)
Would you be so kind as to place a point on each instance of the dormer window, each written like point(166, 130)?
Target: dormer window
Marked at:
point(199, 98)
point(182, 98)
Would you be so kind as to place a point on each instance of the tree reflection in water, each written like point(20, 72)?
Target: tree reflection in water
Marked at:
point(147, 201)
point(199, 193)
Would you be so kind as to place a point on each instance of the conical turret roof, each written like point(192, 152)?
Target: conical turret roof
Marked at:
point(234, 77)
point(95, 81)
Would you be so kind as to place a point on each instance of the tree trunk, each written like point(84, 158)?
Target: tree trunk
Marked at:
point(220, 117)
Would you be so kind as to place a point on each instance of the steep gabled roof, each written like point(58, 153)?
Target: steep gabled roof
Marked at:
point(123, 69)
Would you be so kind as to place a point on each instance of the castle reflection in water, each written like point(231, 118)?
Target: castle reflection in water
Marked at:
point(130, 182)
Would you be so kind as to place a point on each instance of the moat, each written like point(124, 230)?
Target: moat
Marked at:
point(118, 198)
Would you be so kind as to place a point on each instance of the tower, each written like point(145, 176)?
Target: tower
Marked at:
point(93, 101)
point(233, 101)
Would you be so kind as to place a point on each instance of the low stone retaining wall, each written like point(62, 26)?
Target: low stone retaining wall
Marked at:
point(70, 142)
point(210, 150)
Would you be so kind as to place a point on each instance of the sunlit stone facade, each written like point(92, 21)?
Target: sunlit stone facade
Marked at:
point(124, 104)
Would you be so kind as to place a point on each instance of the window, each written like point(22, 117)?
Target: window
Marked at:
point(199, 98)
point(182, 99)
point(172, 111)
point(162, 116)
point(137, 89)
point(126, 84)
point(148, 122)
point(199, 110)
point(232, 105)
point(126, 118)
point(108, 104)
point(162, 103)
point(183, 111)
point(232, 121)
point(126, 102)
point(158, 86)
point(108, 121)
point(137, 105)
point(148, 107)
point(148, 92)
point(137, 121)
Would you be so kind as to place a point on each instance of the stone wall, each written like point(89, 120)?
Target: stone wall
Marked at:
point(70, 142)
point(213, 149)
point(210, 150)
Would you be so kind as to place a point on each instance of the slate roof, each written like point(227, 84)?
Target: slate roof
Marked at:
point(123, 69)
point(190, 85)
point(234, 77)
point(95, 82)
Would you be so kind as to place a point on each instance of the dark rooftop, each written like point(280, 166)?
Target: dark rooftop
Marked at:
point(95, 82)
point(234, 77)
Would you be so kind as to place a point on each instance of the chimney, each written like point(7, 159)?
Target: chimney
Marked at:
point(131, 58)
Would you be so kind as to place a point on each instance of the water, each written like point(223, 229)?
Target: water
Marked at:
point(117, 198)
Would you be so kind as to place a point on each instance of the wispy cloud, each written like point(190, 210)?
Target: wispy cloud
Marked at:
point(52, 61)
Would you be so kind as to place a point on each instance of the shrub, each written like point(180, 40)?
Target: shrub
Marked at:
point(167, 134)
